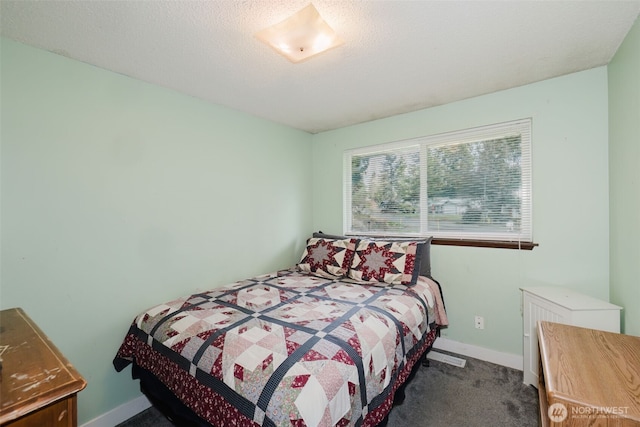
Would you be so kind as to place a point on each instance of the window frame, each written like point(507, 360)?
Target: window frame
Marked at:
point(522, 240)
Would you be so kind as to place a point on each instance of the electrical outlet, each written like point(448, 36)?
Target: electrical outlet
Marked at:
point(479, 322)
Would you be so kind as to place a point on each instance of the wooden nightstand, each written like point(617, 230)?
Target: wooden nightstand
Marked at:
point(38, 385)
point(588, 377)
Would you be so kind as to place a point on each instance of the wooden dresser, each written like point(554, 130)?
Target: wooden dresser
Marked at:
point(38, 385)
point(588, 377)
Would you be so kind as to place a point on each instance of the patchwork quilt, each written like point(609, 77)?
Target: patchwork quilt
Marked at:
point(286, 349)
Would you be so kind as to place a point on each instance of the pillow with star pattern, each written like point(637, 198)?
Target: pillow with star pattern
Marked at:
point(328, 258)
point(393, 263)
point(423, 260)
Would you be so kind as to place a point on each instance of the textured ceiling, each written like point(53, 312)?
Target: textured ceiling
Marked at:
point(398, 56)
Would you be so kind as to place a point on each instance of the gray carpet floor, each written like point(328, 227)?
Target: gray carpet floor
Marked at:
point(480, 394)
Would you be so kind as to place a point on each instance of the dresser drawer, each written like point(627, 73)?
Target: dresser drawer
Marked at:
point(59, 414)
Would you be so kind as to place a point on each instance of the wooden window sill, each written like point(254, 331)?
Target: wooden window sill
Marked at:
point(526, 246)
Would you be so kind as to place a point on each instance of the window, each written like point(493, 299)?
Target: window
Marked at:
point(467, 186)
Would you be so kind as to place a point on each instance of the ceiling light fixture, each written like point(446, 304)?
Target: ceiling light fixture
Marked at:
point(301, 36)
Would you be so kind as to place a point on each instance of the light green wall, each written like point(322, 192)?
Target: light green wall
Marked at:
point(624, 179)
point(570, 197)
point(117, 194)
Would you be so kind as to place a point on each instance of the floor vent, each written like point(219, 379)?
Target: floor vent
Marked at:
point(445, 358)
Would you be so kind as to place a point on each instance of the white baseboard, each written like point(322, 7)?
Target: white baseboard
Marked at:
point(499, 358)
point(120, 413)
point(139, 404)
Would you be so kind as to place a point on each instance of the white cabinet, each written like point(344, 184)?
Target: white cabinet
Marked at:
point(560, 305)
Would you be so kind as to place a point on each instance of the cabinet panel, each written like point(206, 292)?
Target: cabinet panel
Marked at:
point(536, 309)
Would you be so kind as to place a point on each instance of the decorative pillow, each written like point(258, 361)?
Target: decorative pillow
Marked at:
point(393, 263)
point(424, 260)
point(425, 265)
point(328, 258)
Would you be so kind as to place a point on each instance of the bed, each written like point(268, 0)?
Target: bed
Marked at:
point(327, 342)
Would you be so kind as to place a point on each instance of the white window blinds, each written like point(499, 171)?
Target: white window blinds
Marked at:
point(471, 184)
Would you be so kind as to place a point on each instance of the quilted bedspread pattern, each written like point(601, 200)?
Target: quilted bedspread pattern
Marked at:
point(285, 349)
